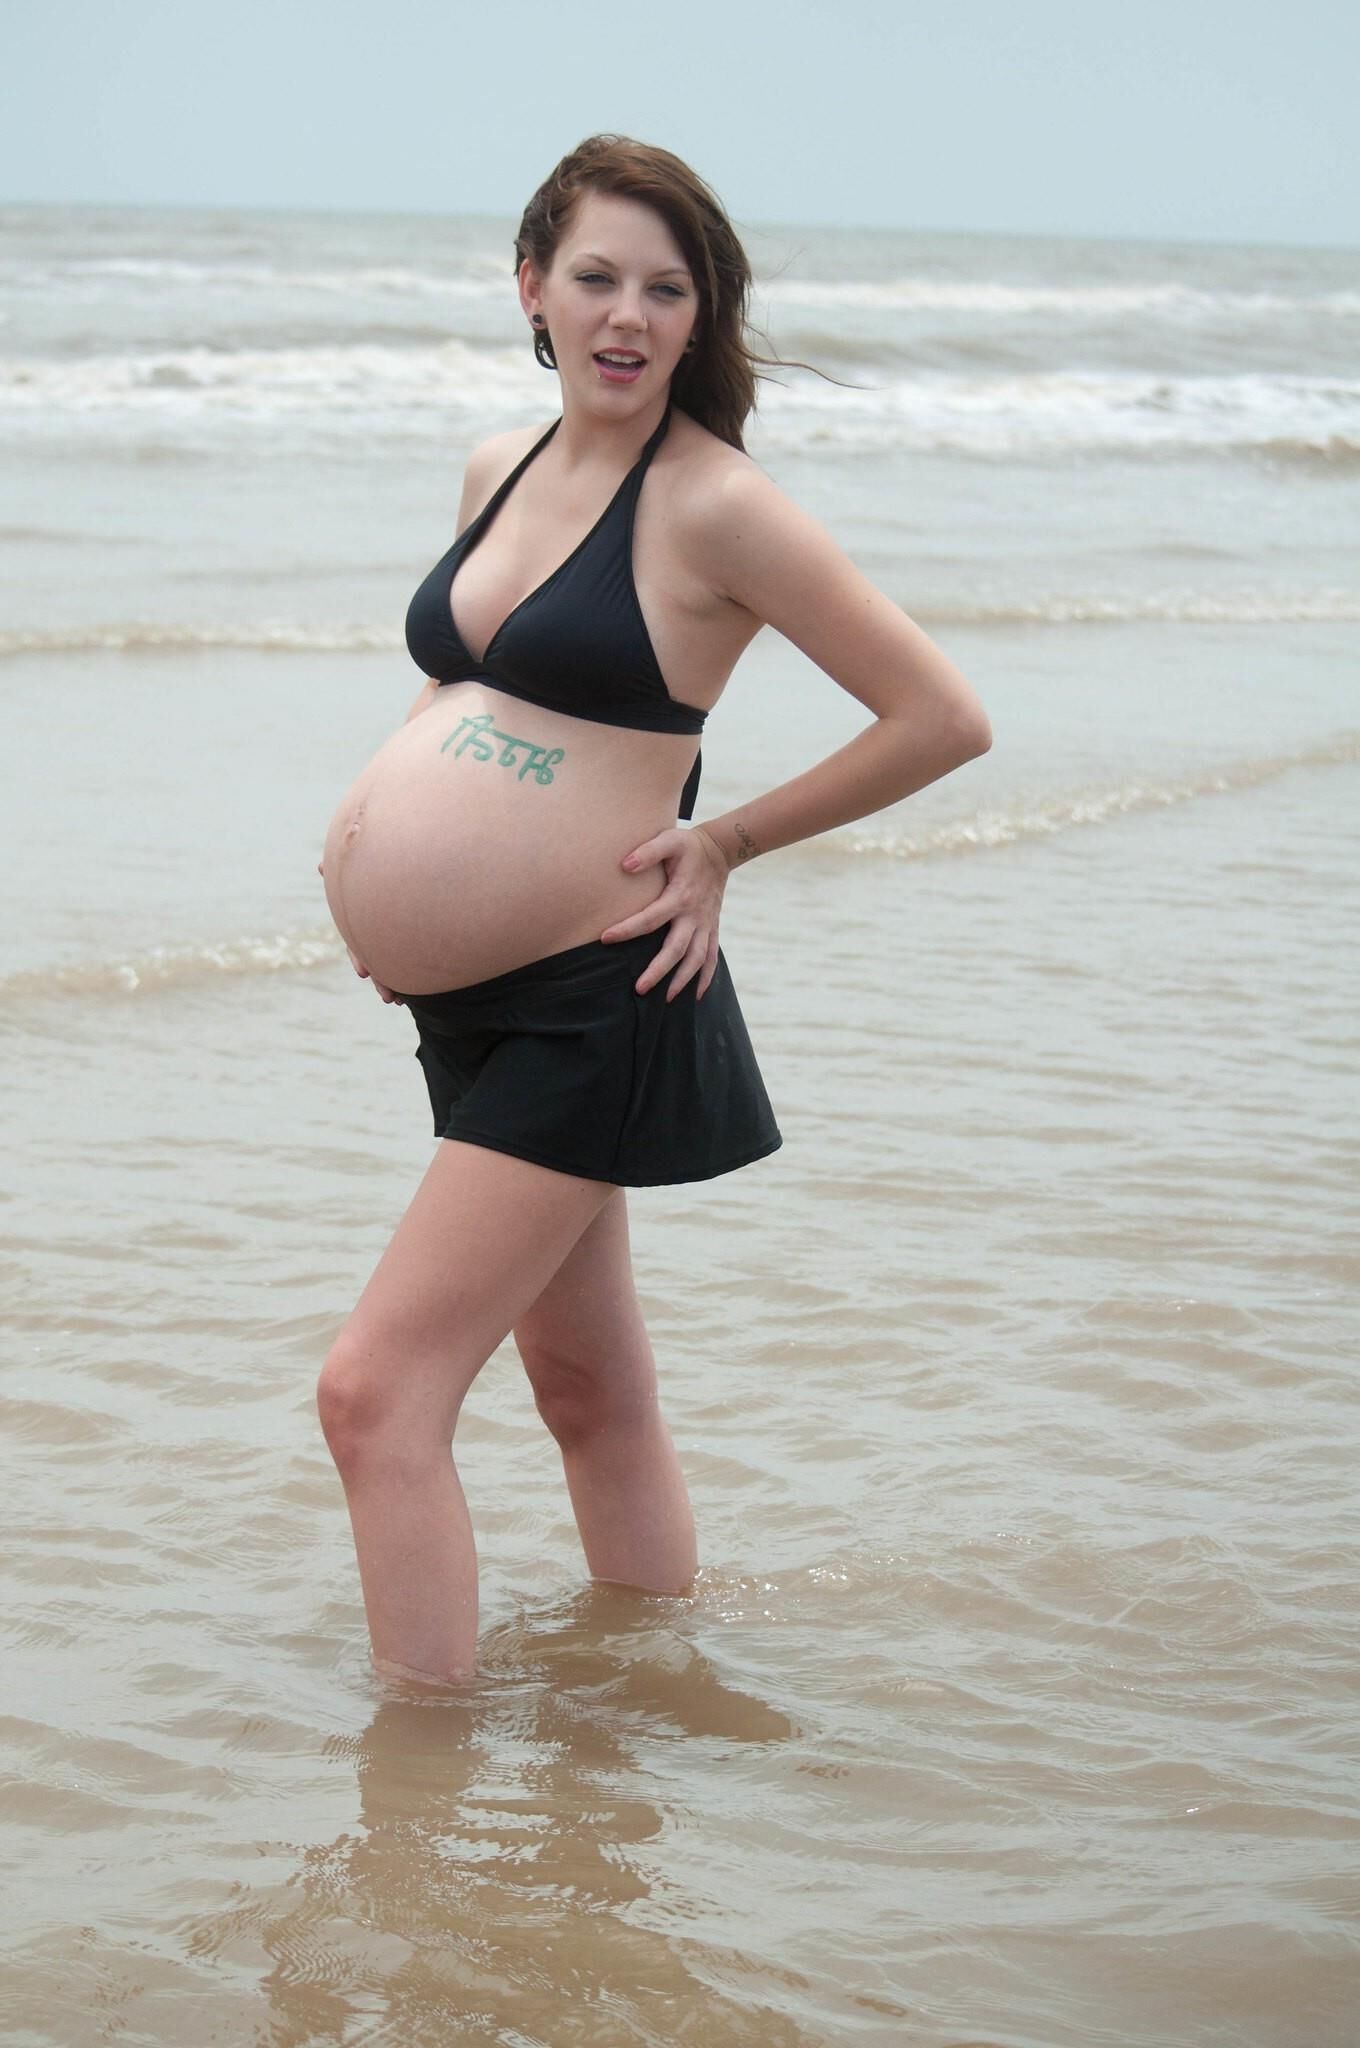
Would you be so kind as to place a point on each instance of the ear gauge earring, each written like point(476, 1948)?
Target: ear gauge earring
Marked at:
point(543, 348)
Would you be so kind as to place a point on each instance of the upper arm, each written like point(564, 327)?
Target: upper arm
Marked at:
point(768, 555)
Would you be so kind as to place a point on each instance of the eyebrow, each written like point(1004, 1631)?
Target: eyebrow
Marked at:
point(665, 270)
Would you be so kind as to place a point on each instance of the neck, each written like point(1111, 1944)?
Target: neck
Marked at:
point(584, 437)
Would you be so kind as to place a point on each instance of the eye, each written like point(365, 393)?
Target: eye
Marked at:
point(591, 277)
point(672, 291)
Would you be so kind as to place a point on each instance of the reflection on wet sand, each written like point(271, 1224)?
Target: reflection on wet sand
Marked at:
point(505, 1880)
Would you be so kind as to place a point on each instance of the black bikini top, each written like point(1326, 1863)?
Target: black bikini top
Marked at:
point(579, 642)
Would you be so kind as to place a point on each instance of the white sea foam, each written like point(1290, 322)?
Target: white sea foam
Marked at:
point(484, 277)
point(992, 415)
point(265, 384)
point(1078, 301)
point(135, 636)
point(1072, 410)
point(1254, 607)
point(1057, 608)
point(1065, 812)
point(485, 281)
point(165, 967)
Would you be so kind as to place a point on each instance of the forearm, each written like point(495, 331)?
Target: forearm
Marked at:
point(891, 759)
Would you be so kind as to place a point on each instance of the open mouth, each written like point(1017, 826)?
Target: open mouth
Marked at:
point(619, 362)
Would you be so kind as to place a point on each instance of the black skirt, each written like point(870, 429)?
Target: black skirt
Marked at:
point(561, 1062)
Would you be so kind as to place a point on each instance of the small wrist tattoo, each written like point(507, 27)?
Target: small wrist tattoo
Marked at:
point(746, 846)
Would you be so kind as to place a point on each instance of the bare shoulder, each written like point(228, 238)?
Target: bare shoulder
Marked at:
point(712, 490)
point(701, 468)
point(491, 462)
point(737, 526)
point(499, 453)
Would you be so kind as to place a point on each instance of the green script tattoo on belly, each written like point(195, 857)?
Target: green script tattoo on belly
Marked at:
point(481, 736)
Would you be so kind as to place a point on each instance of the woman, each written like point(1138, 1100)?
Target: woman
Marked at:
point(511, 862)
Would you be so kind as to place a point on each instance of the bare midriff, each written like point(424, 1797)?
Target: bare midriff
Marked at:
point(488, 833)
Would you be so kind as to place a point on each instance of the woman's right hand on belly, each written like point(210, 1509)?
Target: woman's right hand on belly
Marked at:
point(364, 975)
point(357, 964)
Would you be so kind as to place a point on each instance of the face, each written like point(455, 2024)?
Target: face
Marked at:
point(619, 303)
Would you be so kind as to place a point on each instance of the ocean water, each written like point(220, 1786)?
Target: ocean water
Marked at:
point(1015, 1706)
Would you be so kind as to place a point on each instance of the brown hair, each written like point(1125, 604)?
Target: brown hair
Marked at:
point(715, 382)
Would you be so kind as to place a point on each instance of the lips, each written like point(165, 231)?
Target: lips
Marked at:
point(619, 359)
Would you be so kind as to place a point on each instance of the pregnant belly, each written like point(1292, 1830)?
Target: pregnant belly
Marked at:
point(488, 832)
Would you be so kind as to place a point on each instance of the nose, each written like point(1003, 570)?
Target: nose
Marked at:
point(627, 311)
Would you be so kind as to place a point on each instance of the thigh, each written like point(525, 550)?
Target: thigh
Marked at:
point(482, 1238)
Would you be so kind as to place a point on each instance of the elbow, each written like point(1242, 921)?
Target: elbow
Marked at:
point(968, 731)
point(979, 736)
point(963, 727)
point(953, 730)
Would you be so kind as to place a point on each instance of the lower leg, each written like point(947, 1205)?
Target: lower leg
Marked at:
point(417, 1560)
point(631, 1504)
point(481, 1239)
point(585, 1348)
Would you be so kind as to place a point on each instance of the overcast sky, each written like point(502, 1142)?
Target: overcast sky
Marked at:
point(1226, 120)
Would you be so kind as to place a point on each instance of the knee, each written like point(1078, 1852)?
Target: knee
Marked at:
point(357, 1403)
point(347, 1402)
point(579, 1397)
